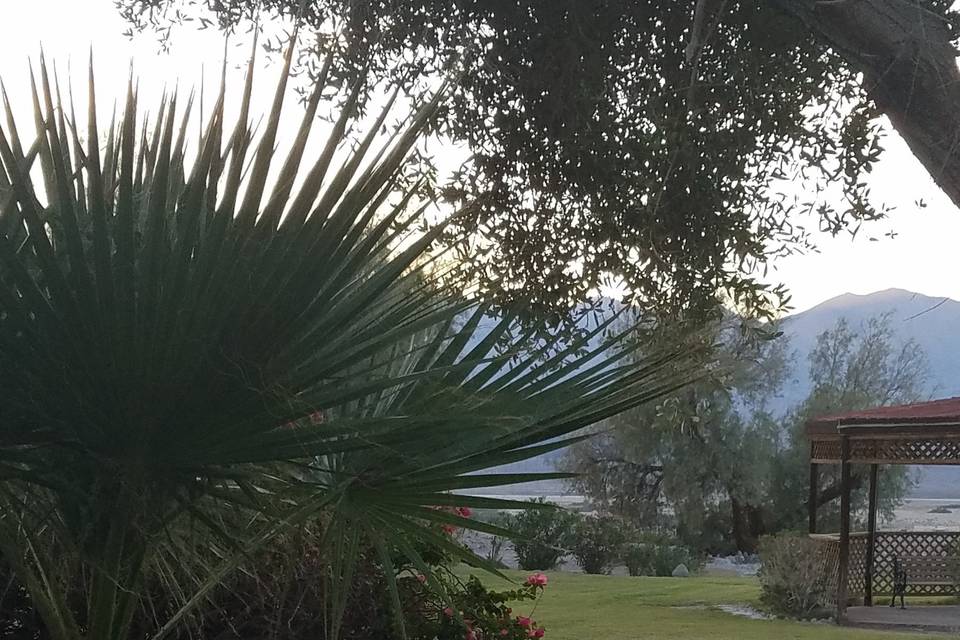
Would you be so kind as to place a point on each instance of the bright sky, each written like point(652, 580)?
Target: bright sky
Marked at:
point(924, 257)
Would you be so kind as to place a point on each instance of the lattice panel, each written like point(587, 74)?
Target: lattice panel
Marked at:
point(884, 450)
point(829, 551)
point(891, 544)
point(857, 566)
point(825, 450)
point(830, 557)
point(917, 451)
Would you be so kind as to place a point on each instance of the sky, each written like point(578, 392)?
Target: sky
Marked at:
point(923, 257)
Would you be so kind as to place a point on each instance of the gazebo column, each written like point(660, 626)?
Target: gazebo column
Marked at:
point(844, 556)
point(813, 497)
point(871, 537)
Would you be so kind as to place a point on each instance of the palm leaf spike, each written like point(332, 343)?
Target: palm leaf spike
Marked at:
point(313, 249)
point(250, 207)
point(301, 206)
point(152, 141)
point(123, 232)
point(79, 158)
point(177, 156)
point(10, 215)
point(224, 237)
point(189, 230)
point(11, 124)
point(97, 206)
point(66, 141)
point(283, 186)
point(46, 258)
point(155, 233)
point(50, 186)
point(65, 198)
point(110, 160)
point(211, 226)
point(239, 138)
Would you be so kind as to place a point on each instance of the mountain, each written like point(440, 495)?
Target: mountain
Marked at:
point(932, 322)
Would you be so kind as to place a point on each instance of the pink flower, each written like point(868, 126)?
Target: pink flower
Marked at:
point(447, 611)
point(523, 621)
point(464, 512)
point(537, 580)
point(448, 529)
point(421, 578)
point(504, 632)
point(535, 633)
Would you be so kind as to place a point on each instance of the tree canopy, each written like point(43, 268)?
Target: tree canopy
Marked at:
point(738, 468)
point(667, 147)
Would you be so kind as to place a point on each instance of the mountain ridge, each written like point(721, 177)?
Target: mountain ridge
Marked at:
point(930, 320)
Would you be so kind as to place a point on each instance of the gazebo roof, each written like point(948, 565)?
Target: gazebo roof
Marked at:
point(935, 413)
point(919, 433)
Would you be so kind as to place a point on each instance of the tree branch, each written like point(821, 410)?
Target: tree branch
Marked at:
point(909, 67)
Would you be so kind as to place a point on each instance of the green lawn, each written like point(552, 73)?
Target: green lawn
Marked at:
point(582, 607)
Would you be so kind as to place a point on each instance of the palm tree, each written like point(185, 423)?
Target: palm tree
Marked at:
point(221, 341)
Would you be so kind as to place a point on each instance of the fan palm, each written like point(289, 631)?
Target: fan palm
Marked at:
point(223, 339)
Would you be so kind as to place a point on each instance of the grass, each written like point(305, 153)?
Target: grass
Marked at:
point(582, 607)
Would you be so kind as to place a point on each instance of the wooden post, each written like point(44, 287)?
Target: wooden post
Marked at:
point(844, 559)
point(813, 497)
point(871, 537)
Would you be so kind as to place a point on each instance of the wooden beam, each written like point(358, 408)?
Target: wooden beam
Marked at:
point(844, 559)
point(812, 498)
point(871, 537)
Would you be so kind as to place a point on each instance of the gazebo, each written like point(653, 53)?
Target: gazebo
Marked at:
point(926, 433)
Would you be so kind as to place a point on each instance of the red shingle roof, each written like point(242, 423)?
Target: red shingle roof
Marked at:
point(936, 412)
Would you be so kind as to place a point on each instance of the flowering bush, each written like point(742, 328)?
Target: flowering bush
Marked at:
point(474, 612)
point(463, 512)
point(464, 609)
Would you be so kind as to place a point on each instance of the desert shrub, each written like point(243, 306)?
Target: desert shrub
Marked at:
point(494, 546)
point(542, 535)
point(793, 577)
point(657, 555)
point(598, 542)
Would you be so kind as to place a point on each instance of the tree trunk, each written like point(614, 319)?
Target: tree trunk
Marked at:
point(745, 519)
point(909, 70)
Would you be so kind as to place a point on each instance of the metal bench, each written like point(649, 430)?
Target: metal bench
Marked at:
point(923, 570)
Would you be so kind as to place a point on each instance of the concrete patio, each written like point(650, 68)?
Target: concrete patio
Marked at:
point(935, 618)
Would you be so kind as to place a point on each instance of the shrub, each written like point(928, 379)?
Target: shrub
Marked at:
point(793, 577)
point(598, 542)
point(542, 535)
point(476, 613)
point(659, 556)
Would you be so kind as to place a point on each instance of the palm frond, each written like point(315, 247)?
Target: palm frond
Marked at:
point(168, 324)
